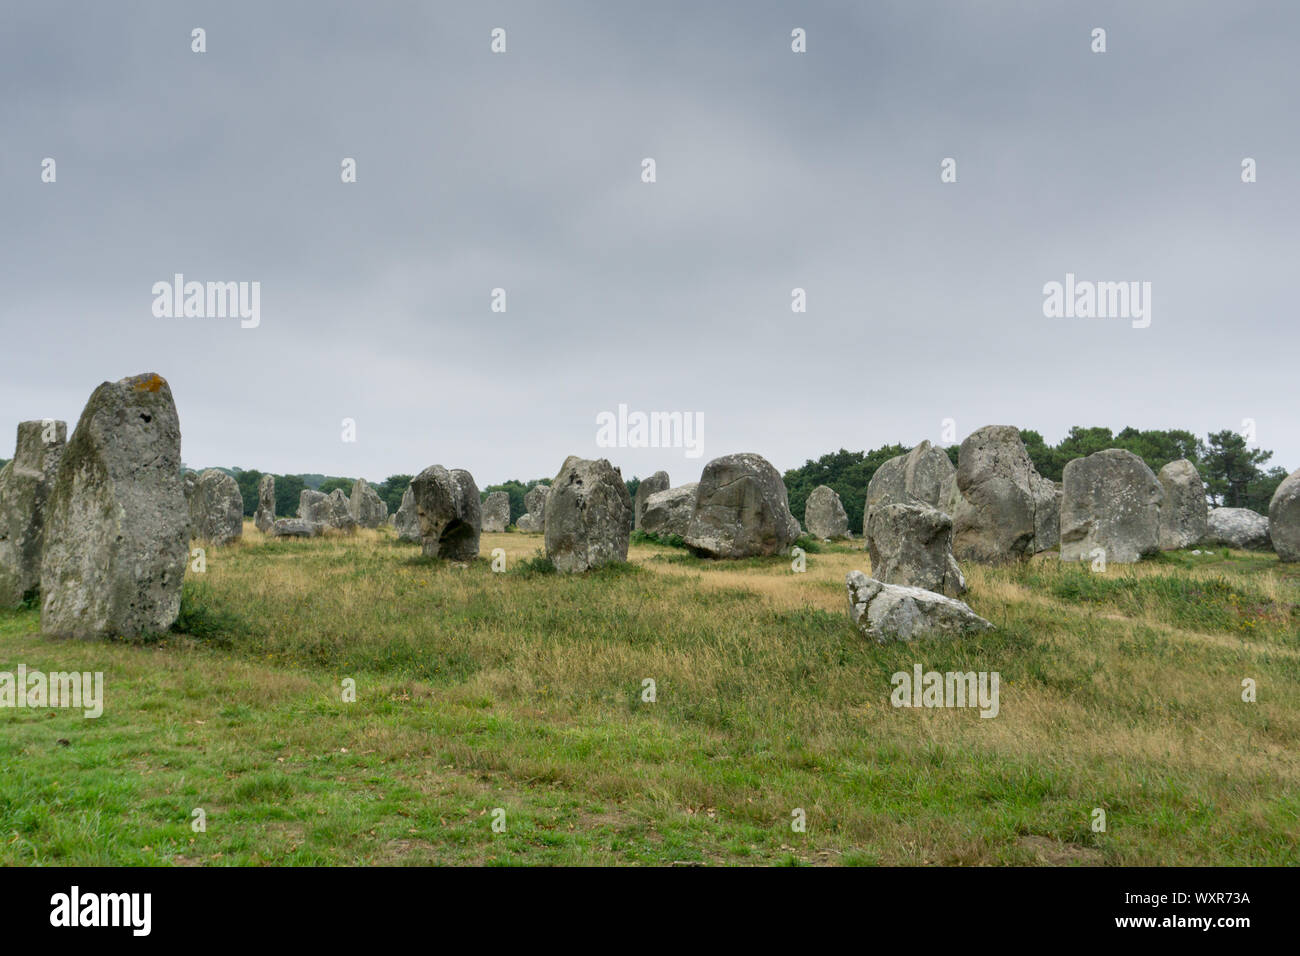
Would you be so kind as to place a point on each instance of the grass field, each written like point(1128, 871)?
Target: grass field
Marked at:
point(522, 691)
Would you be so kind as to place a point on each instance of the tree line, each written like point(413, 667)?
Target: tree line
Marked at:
point(1233, 472)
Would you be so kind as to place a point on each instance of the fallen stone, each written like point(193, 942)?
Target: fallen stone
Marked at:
point(1238, 528)
point(891, 612)
point(669, 512)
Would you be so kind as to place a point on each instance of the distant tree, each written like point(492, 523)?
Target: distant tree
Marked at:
point(3, 462)
point(633, 484)
point(392, 490)
point(847, 472)
point(288, 489)
point(1230, 469)
point(248, 482)
point(330, 484)
point(516, 490)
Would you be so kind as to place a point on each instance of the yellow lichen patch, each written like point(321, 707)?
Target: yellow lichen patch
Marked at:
point(153, 382)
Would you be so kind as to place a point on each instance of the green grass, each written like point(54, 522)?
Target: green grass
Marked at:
point(523, 691)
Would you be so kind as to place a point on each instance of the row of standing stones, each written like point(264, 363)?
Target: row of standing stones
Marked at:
point(100, 524)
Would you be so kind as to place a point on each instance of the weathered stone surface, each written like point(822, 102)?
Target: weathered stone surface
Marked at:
point(496, 511)
point(911, 545)
point(669, 512)
point(216, 509)
point(919, 477)
point(1111, 500)
point(824, 514)
point(1183, 512)
point(330, 511)
point(741, 509)
point(25, 484)
point(365, 506)
point(1237, 528)
point(449, 511)
point(406, 521)
point(891, 612)
point(1284, 518)
point(1001, 508)
point(649, 486)
point(264, 518)
point(296, 528)
point(116, 541)
point(588, 515)
point(534, 519)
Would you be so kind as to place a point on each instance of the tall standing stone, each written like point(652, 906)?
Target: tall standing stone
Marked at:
point(365, 506)
point(264, 519)
point(116, 539)
point(535, 501)
point(919, 477)
point(1002, 509)
point(824, 515)
point(649, 486)
point(911, 545)
point(1284, 518)
point(1183, 513)
point(25, 485)
point(407, 522)
point(496, 512)
point(741, 509)
point(216, 509)
point(449, 511)
point(1111, 500)
point(669, 512)
point(588, 515)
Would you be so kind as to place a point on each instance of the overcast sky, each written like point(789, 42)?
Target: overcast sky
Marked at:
point(523, 171)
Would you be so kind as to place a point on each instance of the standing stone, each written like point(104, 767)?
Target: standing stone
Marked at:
point(1111, 500)
point(264, 519)
point(331, 512)
point(1237, 528)
point(1002, 509)
point(824, 514)
point(1183, 514)
point(1284, 518)
point(892, 612)
point(911, 545)
point(535, 501)
point(496, 512)
point(649, 486)
point(669, 512)
point(588, 515)
point(450, 514)
point(115, 532)
point(365, 506)
point(741, 509)
point(407, 522)
point(919, 477)
point(25, 485)
point(216, 509)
